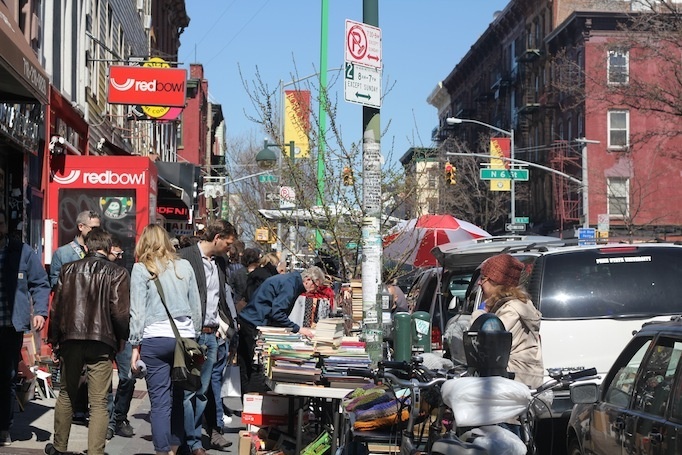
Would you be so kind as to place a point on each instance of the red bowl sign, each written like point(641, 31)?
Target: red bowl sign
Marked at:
point(147, 86)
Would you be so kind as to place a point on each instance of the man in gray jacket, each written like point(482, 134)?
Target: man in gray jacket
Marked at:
point(88, 326)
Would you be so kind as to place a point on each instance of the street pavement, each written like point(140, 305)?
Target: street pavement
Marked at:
point(33, 428)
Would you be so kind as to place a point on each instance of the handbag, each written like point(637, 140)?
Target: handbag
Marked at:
point(231, 386)
point(189, 356)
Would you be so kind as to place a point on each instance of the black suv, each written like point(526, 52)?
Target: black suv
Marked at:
point(638, 408)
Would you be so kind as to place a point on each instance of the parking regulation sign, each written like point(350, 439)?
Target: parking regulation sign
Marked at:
point(363, 44)
point(362, 85)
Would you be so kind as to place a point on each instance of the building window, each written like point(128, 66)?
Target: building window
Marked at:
point(432, 178)
point(618, 197)
point(619, 122)
point(618, 66)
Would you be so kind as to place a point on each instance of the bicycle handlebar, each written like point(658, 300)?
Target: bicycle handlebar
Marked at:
point(407, 383)
point(565, 378)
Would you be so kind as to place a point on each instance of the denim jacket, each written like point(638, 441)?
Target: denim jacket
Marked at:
point(180, 290)
point(63, 255)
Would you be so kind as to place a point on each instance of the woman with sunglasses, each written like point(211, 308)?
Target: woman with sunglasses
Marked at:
point(503, 296)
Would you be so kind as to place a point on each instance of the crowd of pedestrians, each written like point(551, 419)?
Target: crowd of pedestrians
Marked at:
point(209, 288)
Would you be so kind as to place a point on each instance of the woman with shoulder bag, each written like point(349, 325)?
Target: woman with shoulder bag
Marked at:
point(151, 332)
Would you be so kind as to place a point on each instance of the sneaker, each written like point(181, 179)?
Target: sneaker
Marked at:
point(5, 439)
point(218, 441)
point(79, 418)
point(123, 428)
point(110, 434)
point(50, 450)
point(227, 420)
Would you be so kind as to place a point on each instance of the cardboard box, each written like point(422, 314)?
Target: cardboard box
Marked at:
point(264, 409)
point(245, 444)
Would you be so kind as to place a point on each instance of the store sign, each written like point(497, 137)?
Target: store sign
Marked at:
point(173, 212)
point(148, 86)
point(101, 178)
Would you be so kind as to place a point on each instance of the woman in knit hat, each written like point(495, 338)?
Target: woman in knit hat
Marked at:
point(499, 281)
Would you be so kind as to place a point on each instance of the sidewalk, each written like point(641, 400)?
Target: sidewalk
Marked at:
point(33, 427)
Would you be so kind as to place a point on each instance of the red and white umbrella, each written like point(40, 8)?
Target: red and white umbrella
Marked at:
point(411, 241)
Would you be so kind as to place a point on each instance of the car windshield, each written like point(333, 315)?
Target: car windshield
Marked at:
point(616, 283)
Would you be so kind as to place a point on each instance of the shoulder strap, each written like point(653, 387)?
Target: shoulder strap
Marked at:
point(78, 249)
point(156, 281)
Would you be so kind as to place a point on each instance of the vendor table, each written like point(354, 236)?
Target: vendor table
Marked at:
point(311, 391)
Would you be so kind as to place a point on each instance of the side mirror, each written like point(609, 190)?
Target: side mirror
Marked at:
point(584, 393)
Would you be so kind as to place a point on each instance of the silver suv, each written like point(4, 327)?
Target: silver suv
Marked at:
point(592, 299)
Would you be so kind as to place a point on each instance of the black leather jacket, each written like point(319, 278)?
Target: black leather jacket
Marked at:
point(91, 302)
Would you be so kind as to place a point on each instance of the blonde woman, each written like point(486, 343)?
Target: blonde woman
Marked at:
point(151, 334)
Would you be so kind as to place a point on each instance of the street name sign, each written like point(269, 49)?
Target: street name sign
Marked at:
point(510, 174)
point(362, 85)
point(363, 44)
point(522, 219)
point(268, 178)
point(511, 227)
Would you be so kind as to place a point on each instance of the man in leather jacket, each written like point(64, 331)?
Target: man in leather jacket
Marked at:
point(88, 326)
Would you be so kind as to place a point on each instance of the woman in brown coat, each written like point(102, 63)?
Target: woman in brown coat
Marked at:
point(504, 297)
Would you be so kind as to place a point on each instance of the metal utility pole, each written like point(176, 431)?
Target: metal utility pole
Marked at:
point(371, 206)
point(322, 114)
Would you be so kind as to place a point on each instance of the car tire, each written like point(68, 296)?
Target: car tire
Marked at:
point(574, 447)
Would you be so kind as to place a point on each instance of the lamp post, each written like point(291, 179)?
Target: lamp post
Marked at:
point(510, 133)
point(268, 159)
point(586, 194)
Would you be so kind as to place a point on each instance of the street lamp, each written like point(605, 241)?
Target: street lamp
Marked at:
point(267, 159)
point(510, 133)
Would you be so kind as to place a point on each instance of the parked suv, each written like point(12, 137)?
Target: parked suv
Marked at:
point(592, 299)
point(638, 408)
point(441, 291)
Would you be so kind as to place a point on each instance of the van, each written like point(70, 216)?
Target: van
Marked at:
point(592, 299)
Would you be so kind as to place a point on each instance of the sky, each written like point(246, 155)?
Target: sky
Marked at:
point(422, 41)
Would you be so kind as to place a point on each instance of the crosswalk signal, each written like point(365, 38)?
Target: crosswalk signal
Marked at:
point(348, 176)
point(450, 173)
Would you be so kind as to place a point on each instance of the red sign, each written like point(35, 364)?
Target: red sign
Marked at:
point(147, 86)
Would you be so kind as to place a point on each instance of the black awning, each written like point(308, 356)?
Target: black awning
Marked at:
point(178, 178)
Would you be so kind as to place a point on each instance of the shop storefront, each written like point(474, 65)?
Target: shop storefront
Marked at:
point(24, 87)
point(175, 205)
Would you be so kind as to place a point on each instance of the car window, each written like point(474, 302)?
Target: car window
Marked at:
point(619, 390)
point(657, 378)
point(593, 283)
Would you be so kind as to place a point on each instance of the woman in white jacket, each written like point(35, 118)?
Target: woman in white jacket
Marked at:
point(504, 297)
point(151, 333)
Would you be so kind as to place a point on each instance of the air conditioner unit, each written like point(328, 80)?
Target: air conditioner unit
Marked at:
point(147, 21)
point(140, 5)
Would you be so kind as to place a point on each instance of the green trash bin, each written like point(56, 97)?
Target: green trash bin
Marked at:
point(421, 331)
point(402, 336)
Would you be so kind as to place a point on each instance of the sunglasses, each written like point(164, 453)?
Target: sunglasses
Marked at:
point(118, 254)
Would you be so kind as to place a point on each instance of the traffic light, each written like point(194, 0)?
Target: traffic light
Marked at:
point(450, 173)
point(348, 176)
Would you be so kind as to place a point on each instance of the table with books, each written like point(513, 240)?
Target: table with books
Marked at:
point(316, 369)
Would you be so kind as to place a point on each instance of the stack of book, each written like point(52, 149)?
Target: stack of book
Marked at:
point(287, 358)
point(328, 333)
point(356, 290)
point(351, 354)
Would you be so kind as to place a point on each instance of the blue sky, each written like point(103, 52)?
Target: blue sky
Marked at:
point(422, 40)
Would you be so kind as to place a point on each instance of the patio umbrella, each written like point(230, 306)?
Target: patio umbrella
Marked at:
point(411, 241)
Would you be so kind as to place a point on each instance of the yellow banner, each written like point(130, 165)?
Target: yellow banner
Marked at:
point(297, 121)
point(499, 147)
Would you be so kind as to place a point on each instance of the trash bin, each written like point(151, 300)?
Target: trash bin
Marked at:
point(402, 336)
point(421, 331)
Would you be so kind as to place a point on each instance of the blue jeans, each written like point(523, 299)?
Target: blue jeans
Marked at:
point(119, 406)
point(214, 408)
point(166, 401)
point(10, 354)
point(195, 402)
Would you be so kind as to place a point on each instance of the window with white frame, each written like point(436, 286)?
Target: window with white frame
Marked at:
point(618, 66)
point(618, 196)
point(618, 125)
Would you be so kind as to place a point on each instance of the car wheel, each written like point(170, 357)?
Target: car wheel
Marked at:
point(574, 447)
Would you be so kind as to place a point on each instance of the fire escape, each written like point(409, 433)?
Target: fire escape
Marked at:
point(567, 198)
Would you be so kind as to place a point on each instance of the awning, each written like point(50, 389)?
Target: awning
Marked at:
point(178, 178)
point(176, 190)
point(22, 78)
